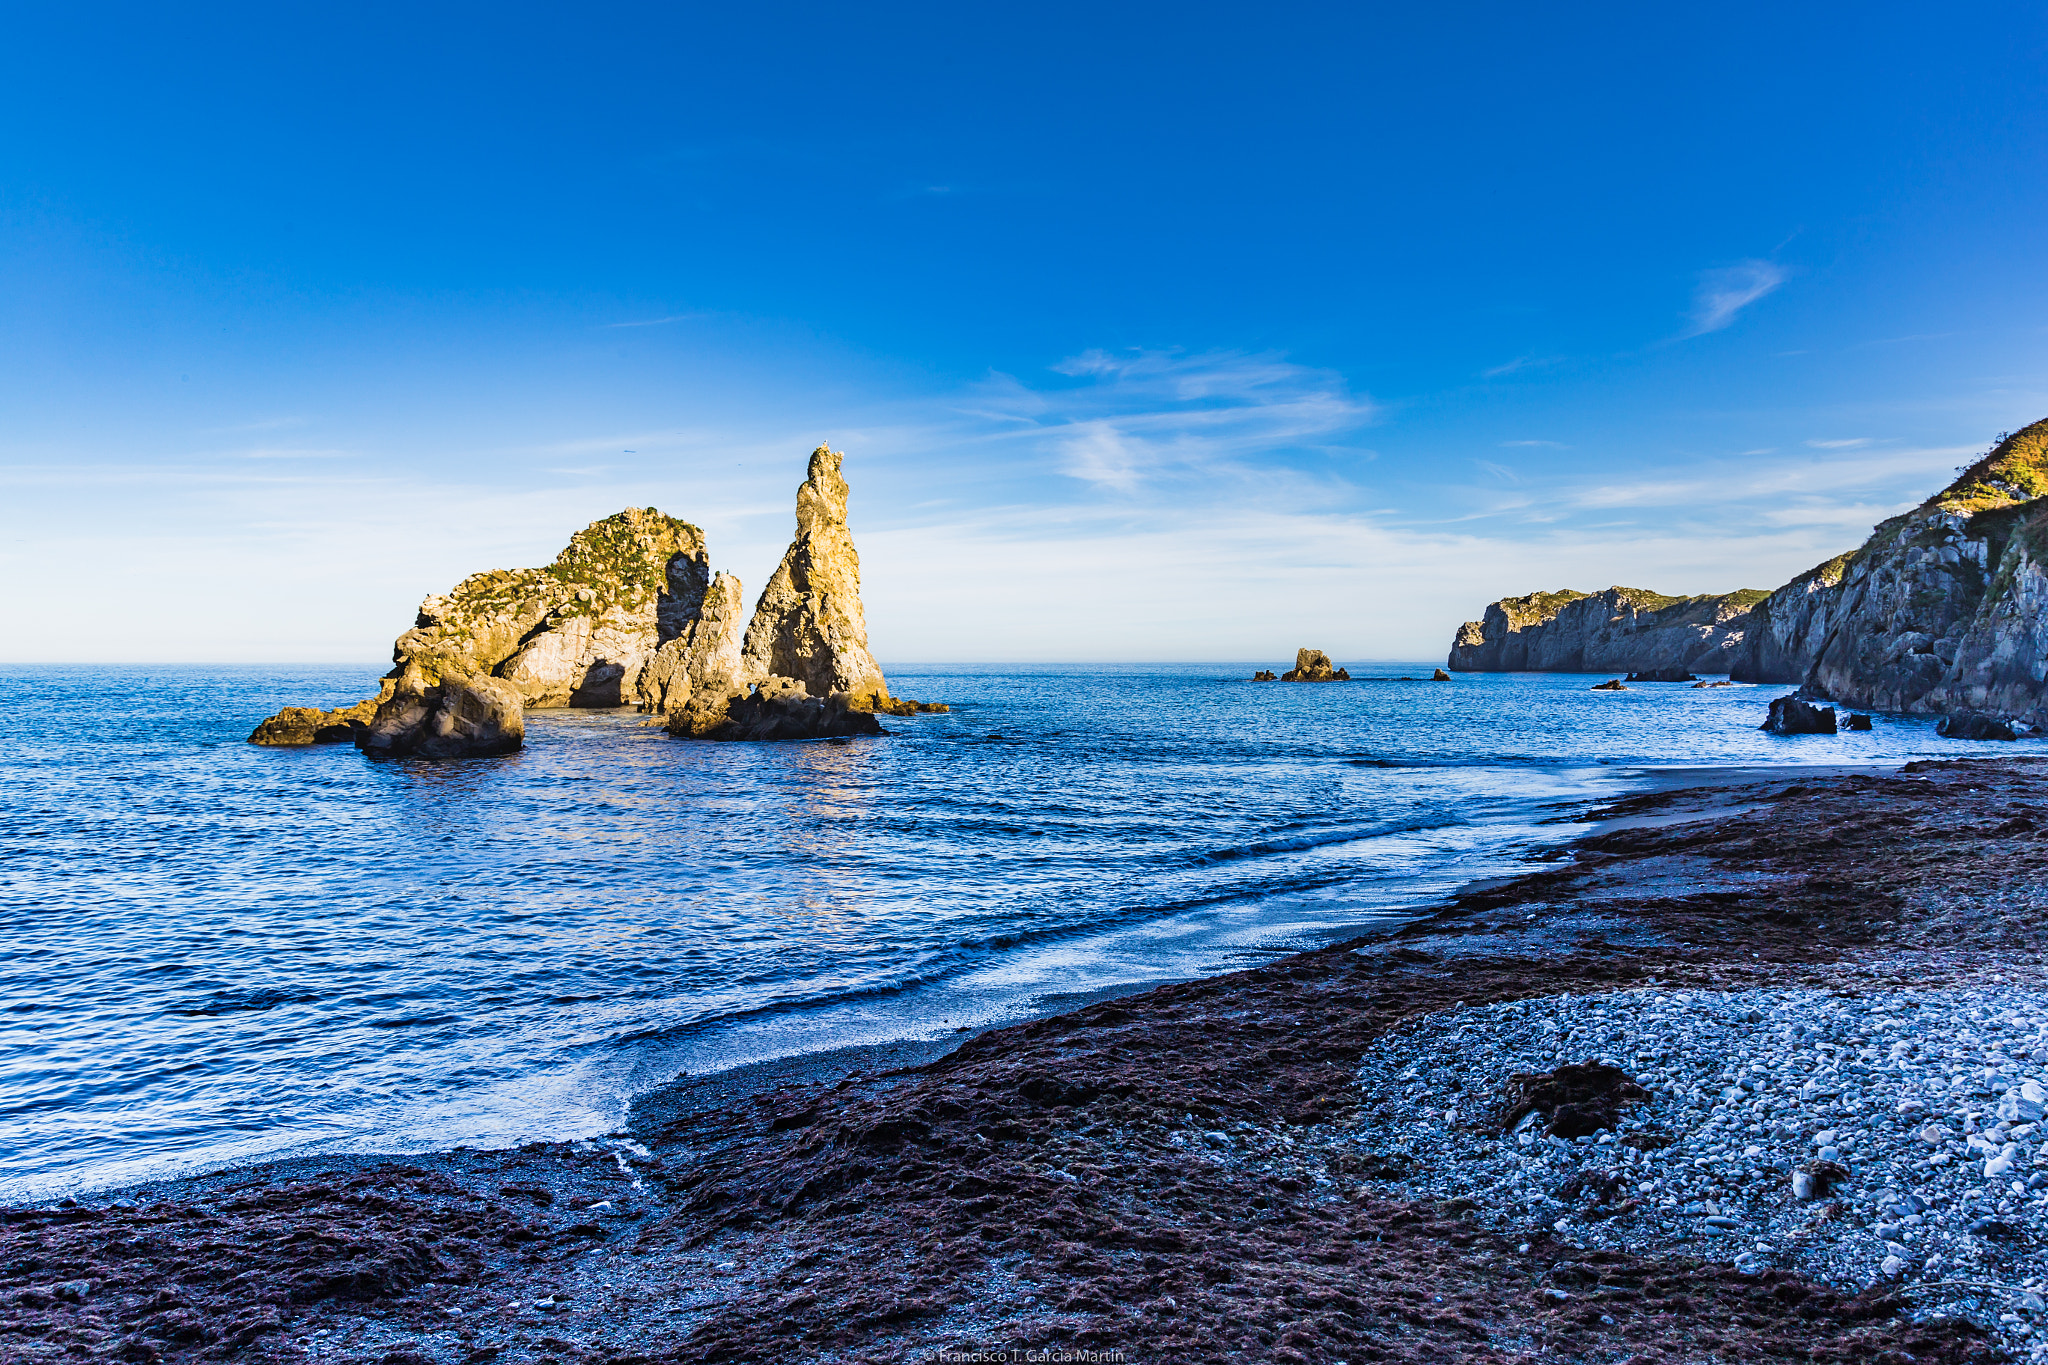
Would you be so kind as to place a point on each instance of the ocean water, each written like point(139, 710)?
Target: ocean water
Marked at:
point(217, 952)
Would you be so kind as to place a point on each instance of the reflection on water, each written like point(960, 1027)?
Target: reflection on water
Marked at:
point(218, 951)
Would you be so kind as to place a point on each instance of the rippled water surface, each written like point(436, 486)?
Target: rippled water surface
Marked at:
point(217, 951)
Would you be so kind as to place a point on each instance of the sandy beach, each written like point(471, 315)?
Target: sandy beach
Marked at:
point(1323, 1159)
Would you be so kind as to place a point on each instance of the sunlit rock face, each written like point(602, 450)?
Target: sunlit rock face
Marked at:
point(580, 632)
point(630, 614)
point(809, 625)
point(1618, 630)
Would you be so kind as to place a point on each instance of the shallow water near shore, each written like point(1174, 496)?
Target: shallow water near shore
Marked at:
point(220, 953)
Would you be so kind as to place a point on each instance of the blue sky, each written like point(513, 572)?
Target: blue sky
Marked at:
point(1151, 332)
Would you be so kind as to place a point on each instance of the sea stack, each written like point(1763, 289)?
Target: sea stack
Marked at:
point(808, 624)
point(805, 653)
point(1312, 665)
point(630, 614)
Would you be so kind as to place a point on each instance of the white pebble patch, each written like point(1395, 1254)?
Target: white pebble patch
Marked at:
point(1932, 1100)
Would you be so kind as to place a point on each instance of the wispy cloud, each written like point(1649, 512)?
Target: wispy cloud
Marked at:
point(1523, 362)
point(655, 322)
point(1144, 417)
point(1722, 294)
point(1847, 443)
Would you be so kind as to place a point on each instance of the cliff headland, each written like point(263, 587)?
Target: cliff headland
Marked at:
point(1943, 609)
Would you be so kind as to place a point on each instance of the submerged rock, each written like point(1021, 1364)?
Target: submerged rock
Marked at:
point(1312, 665)
point(1973, 725)
point(454, 716)
point(1791, 716)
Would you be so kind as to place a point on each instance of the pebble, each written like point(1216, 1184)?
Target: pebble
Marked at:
point(1932, 1100)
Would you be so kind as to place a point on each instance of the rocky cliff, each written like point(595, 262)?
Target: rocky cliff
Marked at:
point(1617, 630)
point(1942, 609)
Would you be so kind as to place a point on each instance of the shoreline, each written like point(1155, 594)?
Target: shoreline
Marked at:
point(1150, 1138)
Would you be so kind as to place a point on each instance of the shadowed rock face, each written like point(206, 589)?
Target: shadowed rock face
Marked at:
point(450, 717)
point(1620, 630)
point(809, 624)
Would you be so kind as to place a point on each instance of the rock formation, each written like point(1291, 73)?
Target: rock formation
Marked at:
point(580, 632)
point(1942, 609)
point(1611, 685)
point(452, 716)
point(298, 725)
point(630, 614)
point(1265, 675)
point(1791, 716)
point(808, 624)
point(1618, 630)
point(777, 708)
point(1439, 676)
point(1312, 665)
point(1973, 725)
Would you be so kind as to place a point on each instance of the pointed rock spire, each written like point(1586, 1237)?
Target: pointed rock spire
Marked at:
point(808, 624)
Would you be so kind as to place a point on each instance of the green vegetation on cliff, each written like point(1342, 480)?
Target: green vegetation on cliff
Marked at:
point(2015, 470)
point(1538, 606)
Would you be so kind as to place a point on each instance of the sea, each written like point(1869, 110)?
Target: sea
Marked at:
point(216, 953)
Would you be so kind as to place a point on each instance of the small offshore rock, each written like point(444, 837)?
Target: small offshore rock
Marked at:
point(1611, 685)
point(1973, 725)
point(1265, 675)
point(1856, 723)
point(296, 726)
point(1791, 716)
point(1312, 665)
point(777, 709)
point(456, 717)
point(1440, 676)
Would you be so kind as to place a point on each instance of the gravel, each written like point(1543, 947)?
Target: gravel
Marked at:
point(1930, 1100)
